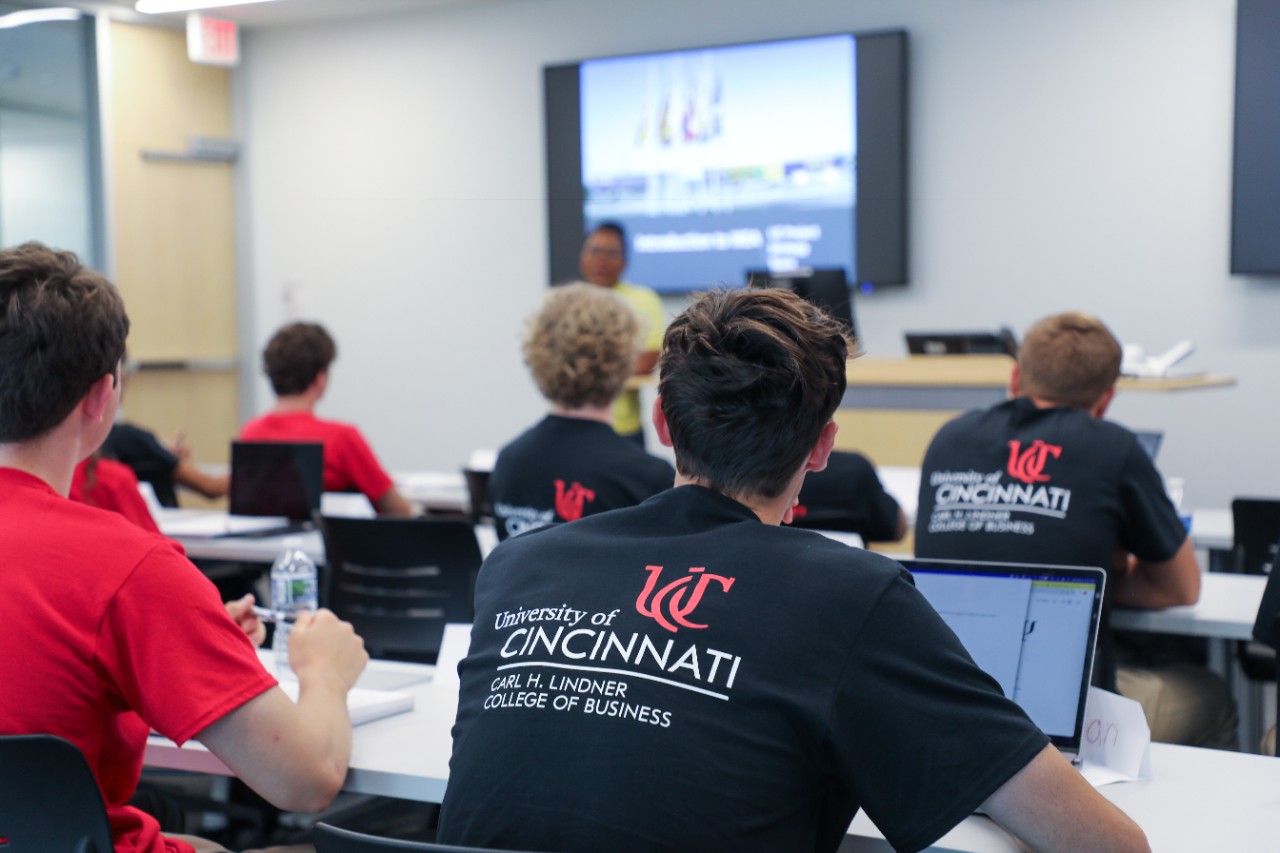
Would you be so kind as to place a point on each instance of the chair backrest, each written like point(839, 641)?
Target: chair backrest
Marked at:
point(1257, 527)
point(331, 839)
point(478, 495)
point(399, 581)
point(49, 801)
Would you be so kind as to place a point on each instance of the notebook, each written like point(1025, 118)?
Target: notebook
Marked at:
point(363, 705)
point(1032, 628)
point(280, 480)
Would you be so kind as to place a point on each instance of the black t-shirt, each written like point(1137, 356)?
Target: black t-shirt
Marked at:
point(1017, 483)
point(847, 495)
point(680, 676)
point(150, 460)
point(562, 469)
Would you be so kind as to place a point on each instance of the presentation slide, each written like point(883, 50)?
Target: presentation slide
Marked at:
point(989, 615)
point(725, 159)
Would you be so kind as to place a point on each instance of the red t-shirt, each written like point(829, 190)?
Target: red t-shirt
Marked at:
point(349, 463)
point(107, 631)
point(115, 487)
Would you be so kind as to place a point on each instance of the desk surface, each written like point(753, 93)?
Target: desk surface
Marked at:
point(1199, 799)
point(1227, 608)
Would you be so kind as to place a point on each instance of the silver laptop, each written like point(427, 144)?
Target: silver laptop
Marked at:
point(1032, 628)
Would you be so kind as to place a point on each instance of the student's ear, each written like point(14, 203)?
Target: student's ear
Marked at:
point(660, 423)
point(1099, 408)
point(1015, 380)
point(97, 402)
point(821, 452)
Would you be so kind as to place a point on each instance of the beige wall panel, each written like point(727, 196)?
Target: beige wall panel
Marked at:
point(889, 436)
point(174, 243)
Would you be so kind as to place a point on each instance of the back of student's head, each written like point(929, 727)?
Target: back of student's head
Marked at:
point(748, 380)
point(581, 345)
point(296, 355)
point(1071, 359)
point(62, 328)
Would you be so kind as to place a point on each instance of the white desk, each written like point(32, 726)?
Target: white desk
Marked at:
point(246, 549)
point(439, 490)
point(1199, 799)
point(1226, 610)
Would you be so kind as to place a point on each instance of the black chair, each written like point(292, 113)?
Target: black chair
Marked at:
point(331, 839)
point(1256, 522)
point(1266, 628)
point(399, 581)
point(481, 508)
point(49, 801)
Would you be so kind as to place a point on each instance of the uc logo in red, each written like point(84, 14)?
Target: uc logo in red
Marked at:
point(671, 605)
point(1028, 465)
point(569, 501)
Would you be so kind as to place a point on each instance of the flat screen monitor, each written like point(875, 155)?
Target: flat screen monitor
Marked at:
point(1001, 342)
point(776, 155)
point(827, 287)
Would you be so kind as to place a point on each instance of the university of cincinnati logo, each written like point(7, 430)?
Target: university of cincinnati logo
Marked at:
point(669, 606)
point(1028, 465)
point(569, 501)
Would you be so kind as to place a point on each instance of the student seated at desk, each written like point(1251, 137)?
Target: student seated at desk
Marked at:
point(110, 485)
point(297, 360)
point(687, 674)
point(848, 495)
point(580, 348)
point(163, 466)
point(1042, 478)
point(107, 630)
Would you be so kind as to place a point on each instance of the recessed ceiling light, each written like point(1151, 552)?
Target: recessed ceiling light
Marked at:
point(38, 16)
point(159, 7)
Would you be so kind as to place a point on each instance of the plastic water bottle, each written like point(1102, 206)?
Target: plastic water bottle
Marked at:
point(294, 590)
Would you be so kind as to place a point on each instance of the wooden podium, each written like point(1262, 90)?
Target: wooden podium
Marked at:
point(893, 407)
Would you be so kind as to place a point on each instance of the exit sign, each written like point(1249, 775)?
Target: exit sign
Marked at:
point(211, 41)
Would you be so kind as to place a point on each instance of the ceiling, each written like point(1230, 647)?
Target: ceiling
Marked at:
point(280, 13)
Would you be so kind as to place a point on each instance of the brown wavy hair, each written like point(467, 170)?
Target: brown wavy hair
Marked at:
point(581, 345)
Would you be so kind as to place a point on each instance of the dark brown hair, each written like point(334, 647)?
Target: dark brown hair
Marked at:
point(296, 355)
point(748, 380)
point(1070, 359)
point(62, 328)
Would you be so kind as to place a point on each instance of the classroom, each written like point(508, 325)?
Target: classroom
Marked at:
point(388, 181)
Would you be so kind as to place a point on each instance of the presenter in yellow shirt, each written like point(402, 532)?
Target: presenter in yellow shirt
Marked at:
point(603, 258)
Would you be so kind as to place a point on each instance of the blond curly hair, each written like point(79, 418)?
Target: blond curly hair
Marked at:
point(581, 345)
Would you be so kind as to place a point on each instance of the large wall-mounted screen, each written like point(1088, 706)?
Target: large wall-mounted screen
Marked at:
point(780, 155)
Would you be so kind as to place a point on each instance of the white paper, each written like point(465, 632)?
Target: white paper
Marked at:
point(1116, 741)
point(453, 648)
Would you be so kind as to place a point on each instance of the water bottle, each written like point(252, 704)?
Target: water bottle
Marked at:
point(294, 590)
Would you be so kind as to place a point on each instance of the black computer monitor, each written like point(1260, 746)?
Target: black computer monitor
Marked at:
point(1001, 342)
point(826, 287)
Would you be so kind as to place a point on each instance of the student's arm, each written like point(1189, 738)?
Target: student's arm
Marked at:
point(902, 525)
point(1049, 806)
point(296, 756)
point(394, 504)
point(1168, 583)
point(187, 473)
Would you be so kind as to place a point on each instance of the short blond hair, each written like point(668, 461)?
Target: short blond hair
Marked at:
point(581, 345)
point(1070, 359)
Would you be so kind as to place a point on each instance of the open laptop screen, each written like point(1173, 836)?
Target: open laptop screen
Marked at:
point(276, 478)
point(1032, 628)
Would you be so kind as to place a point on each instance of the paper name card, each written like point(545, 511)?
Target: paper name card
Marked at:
point(1116, 742)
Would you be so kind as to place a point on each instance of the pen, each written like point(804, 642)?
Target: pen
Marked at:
point(264, 613)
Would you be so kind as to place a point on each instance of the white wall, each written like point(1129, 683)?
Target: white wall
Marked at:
point(1066, 154)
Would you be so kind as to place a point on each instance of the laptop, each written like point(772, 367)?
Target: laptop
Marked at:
point(277, 480)
point(1032, 628)
point(1149, 440)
